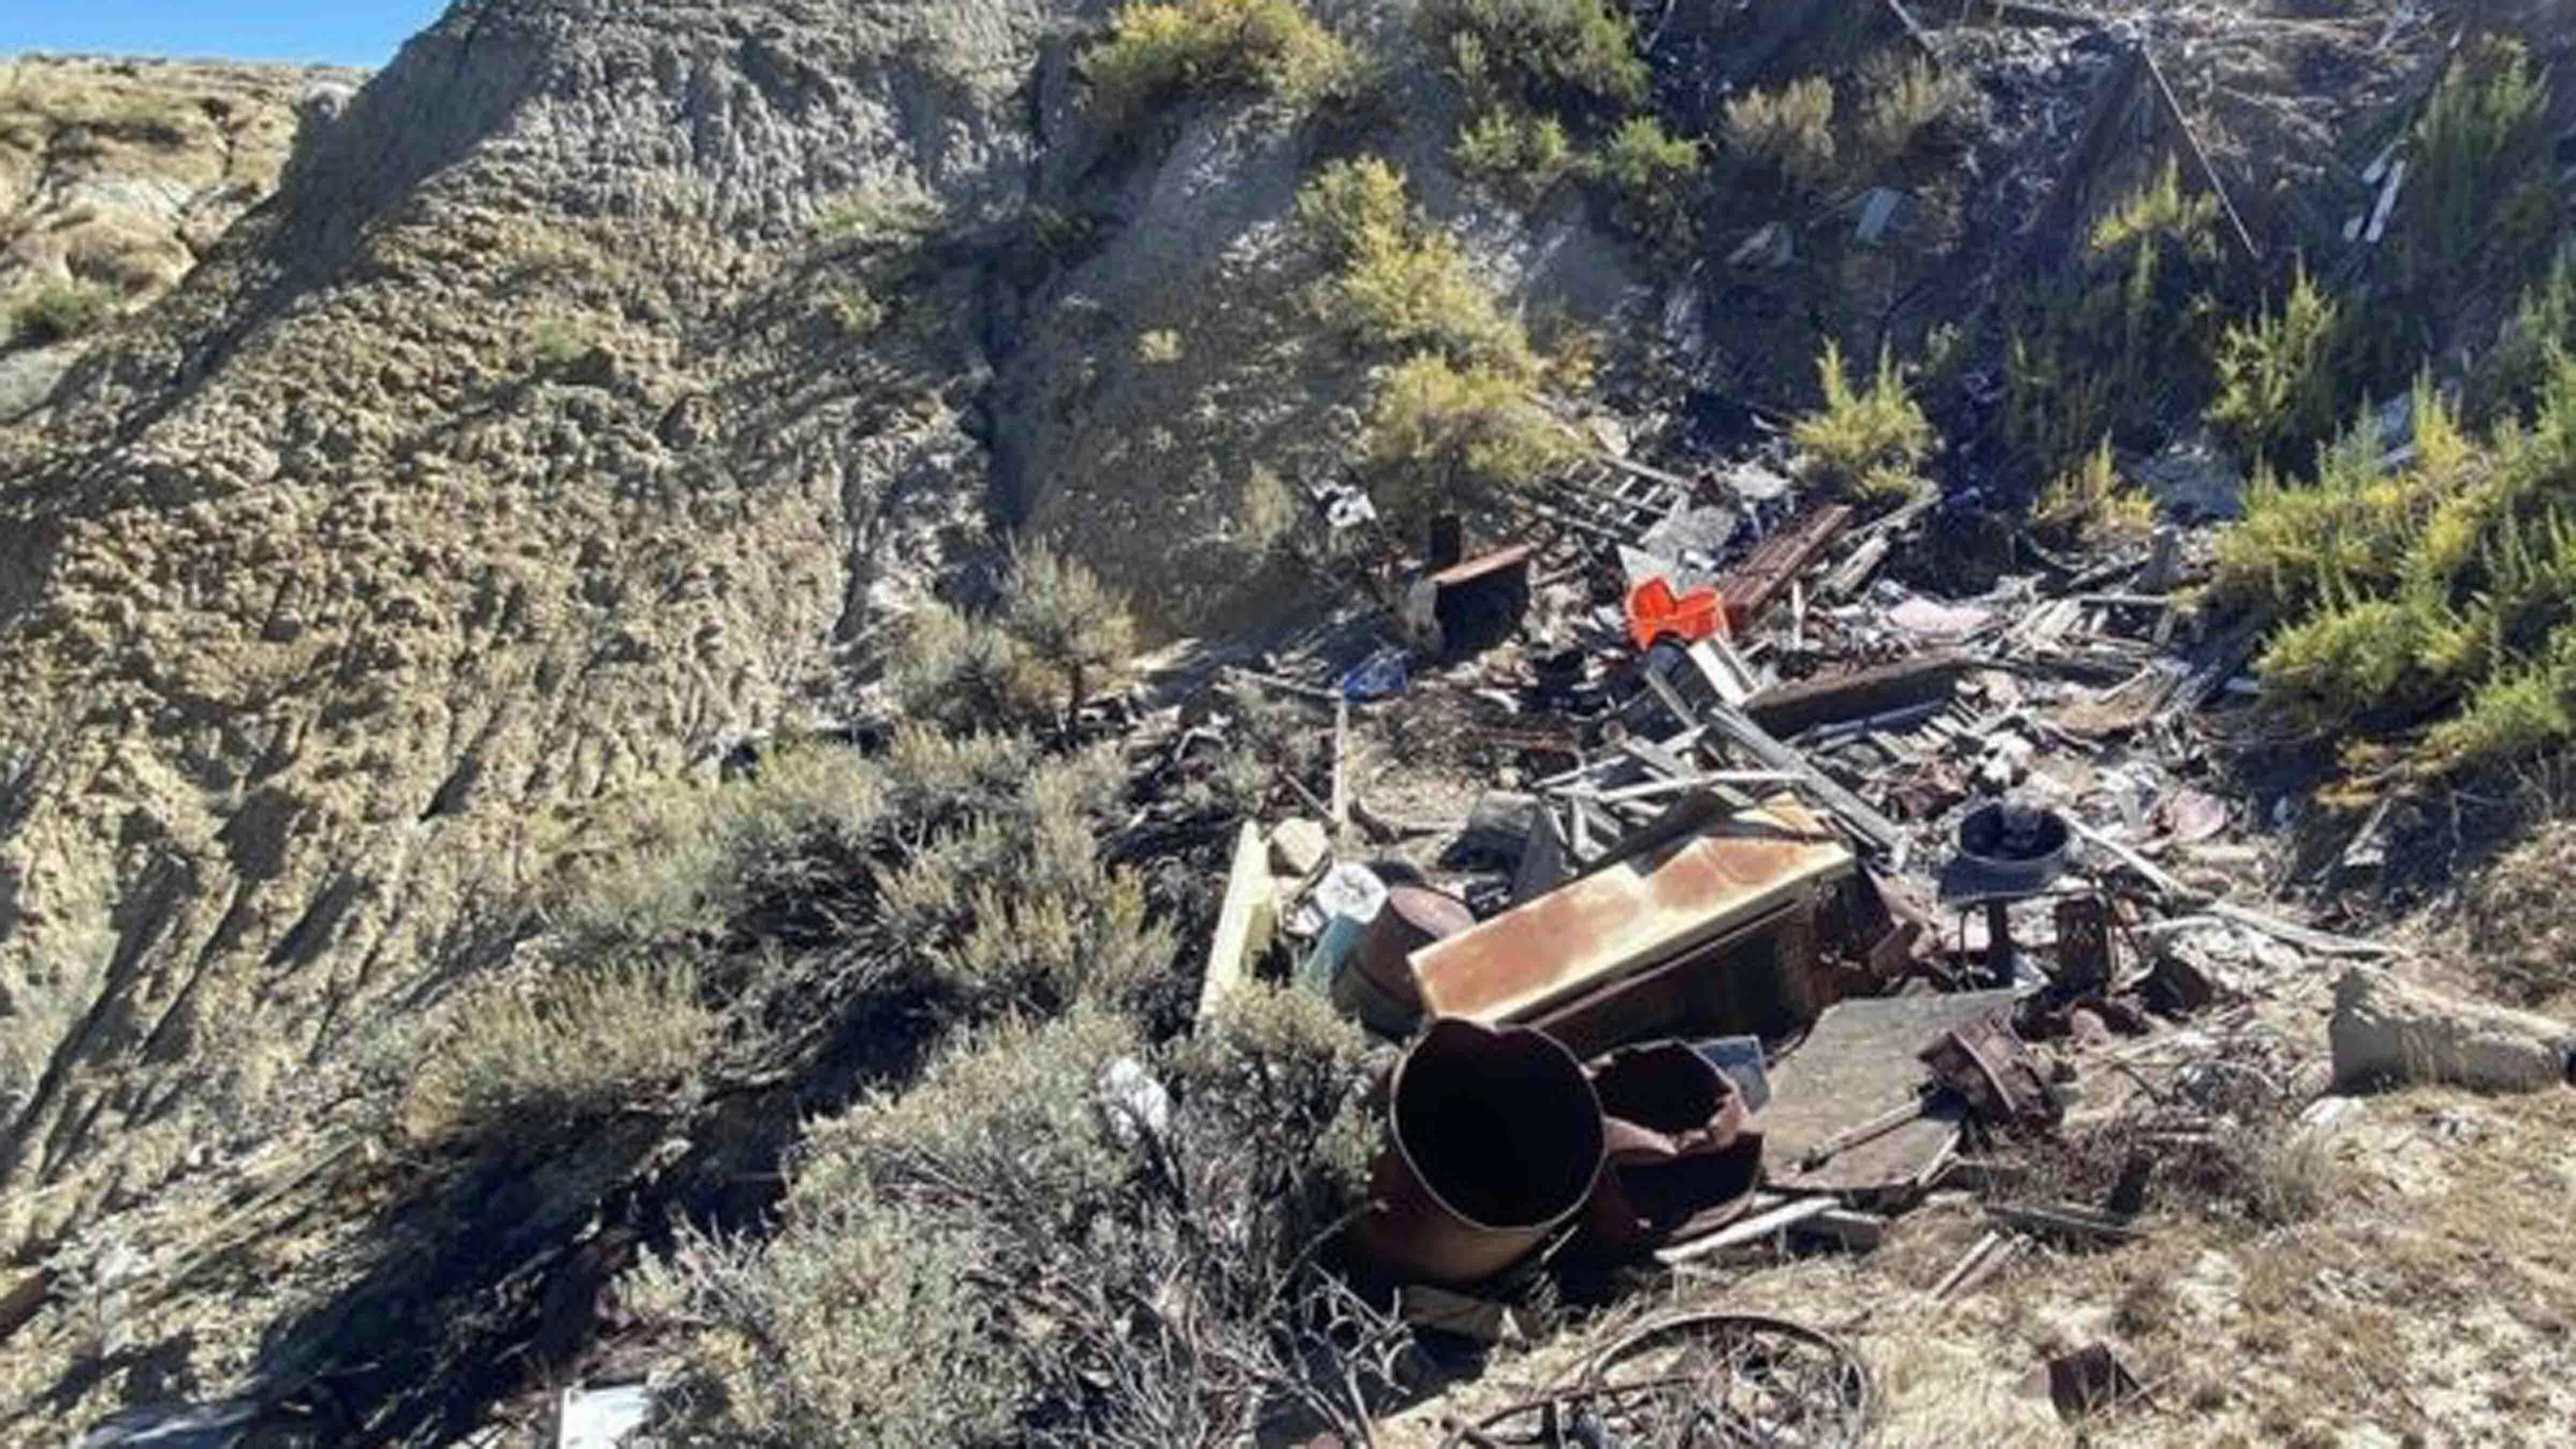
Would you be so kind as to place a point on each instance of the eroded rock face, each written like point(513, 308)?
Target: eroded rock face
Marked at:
point(510, 455)
point(2387, 1031)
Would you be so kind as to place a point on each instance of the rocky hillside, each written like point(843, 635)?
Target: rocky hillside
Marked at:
point(597, 370)
point(116, 176)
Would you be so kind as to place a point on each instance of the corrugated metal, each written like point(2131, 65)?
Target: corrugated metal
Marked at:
point(1613, 922)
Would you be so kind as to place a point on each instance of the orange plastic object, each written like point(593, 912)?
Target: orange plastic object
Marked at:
point(1654, 611)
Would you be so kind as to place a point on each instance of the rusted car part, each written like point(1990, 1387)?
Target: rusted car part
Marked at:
point(1706, 1378)
point(1632, 914)
point(1496, 1140)
point(1767, 574)
point(1989, 1069)
point(1377, 986)
point(1860, 1064)
point(1681, 1161)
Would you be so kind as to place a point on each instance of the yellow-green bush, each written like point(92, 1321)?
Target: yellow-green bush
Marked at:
point(1649, 176)
point(2093, 504)
point(2281, 378)
point(1869, 442)
point(2123, 341)
point(1399, 281)
point(1575, 59)
point(2449, 579)
point(1789, 129)
point(2475, 138)
point(1155, 52)
point(1519, 153)
point(1442, 435)
point(2540, 335)
point(1904, 96)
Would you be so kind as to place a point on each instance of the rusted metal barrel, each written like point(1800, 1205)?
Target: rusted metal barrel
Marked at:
point(1496, 1139)
point(1378, 986)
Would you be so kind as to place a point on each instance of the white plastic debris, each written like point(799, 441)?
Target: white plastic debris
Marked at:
point(602, 1418)
point(1136, 1105)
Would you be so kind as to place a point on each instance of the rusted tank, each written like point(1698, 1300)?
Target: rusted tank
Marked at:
point(1496, 1139)
point(1377, 986)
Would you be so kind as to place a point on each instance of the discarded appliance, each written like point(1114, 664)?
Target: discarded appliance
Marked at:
point(1496, 1138)
point(1708, 931)
point(2008, 851)
point(1681, 1160)
point(1655, 611)
point(1377, 985)
point(1349, 897)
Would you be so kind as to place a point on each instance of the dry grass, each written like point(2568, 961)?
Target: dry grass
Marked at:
point(2521, 920)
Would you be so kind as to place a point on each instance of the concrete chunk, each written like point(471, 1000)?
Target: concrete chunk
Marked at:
point(2385, 1030)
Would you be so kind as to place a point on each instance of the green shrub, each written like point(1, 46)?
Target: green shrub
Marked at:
point(1904, 96)
point(1022, 1249)
point(2540, 336)
point(1789, 129)
point(1441, 436)
point(2125, 341)
point(1066, 618)
point(1518, 153)
point(857, 311)
point(575, 1047)
point(1649, 175)
point(969, 672)
point(1870, 442)
point(2281, 378)
point(2093, 504)
point(58, 312)
point(2450, 579)
point(1573, 59)
point(1157, 52)
point(2467, 151)
point(1399, 282)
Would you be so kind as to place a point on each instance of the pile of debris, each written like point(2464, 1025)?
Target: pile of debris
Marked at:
point(1798, 896)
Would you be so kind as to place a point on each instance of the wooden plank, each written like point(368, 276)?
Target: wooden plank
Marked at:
point(1749, 1230)
point(1845, 806)
point(1244, 924)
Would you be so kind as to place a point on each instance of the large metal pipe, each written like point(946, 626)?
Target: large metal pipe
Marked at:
point(1495, 1139)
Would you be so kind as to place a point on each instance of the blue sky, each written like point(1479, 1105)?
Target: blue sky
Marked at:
point(344, 32)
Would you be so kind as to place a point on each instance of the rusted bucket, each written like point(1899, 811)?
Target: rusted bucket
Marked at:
point(1682, 1160)
point(1497, 1138)
point(1378, 986)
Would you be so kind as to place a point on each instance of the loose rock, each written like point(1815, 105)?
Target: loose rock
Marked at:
point(2387, 1031)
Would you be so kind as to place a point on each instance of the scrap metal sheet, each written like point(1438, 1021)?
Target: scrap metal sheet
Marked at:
point(1861, 1060)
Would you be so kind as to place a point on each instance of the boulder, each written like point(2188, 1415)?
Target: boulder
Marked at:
point(2385, 1030)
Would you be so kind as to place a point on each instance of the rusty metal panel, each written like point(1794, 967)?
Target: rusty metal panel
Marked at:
point(1641, 911)
point(1765, 575)
point(1859, 1062)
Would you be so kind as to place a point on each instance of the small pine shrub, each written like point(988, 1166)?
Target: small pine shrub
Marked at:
point(1442, 436)
point(1572, 59)
point(1157, 52)
point(2540, 337)
point(1905, 97)
point(1871, 442)
point(1519, 154)
point(1789, 130)
point(2094, 504)
point(857, 311)
point(1649, 176)
point(2467, 151)
point(1159, 347)
point(1067, 619)
point(58, 312)
point(2281, 376)
point(1399, 282)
